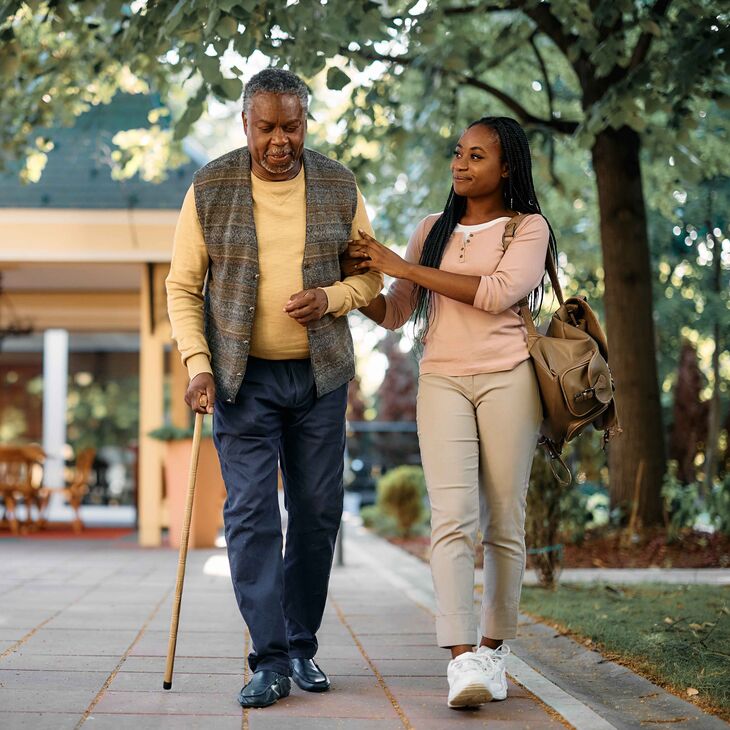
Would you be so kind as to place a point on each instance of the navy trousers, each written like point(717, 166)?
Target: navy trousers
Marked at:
point(278, 418)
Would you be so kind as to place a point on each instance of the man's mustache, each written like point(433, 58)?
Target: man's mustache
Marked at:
point(278, 152)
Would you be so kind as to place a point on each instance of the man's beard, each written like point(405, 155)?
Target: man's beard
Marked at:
point(281, 168)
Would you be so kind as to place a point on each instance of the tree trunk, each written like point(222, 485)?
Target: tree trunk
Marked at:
point(630, 325)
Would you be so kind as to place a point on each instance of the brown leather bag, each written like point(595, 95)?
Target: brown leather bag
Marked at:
point(571, 365)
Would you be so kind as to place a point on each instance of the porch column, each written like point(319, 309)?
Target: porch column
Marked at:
point(154, 333)
point(55, 375)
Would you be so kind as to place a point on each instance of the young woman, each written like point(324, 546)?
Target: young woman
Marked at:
point(478, 404)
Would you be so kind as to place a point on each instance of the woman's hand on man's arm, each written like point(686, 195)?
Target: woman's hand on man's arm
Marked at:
point(371, 254)
point(374, 255)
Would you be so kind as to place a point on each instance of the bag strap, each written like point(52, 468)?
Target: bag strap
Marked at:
point(556, 462)
point(509, 233)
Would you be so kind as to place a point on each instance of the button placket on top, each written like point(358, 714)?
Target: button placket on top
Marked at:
point(465, 241)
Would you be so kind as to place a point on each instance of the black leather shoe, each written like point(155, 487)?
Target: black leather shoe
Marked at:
point(264, 688)
point(308, 676)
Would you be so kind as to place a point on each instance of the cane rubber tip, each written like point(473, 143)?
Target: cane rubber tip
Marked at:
point(167, 685)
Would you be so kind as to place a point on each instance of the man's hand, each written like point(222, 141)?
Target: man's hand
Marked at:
point(307, 306)
point(348, 264)
point(200, 394)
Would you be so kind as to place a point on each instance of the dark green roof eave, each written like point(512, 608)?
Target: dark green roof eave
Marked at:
point(78, 176)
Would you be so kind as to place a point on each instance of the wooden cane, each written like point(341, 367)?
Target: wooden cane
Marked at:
point(167, 682)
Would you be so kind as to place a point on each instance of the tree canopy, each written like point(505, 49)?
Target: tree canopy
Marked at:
point(567, 66)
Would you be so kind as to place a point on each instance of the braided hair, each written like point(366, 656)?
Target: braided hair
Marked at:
point(519, 195)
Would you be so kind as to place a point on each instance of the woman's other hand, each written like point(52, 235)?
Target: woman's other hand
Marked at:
point(372, 255)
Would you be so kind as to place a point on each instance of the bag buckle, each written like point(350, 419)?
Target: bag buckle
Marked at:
point(584, 395)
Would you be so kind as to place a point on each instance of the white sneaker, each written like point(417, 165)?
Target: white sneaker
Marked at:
point(493, 661)
point(469, 684)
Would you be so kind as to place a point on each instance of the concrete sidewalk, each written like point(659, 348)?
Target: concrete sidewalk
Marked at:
point(83, 639)
point(632, 576)
point(84, 632)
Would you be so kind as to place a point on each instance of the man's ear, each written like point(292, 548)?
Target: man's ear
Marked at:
point(245, 122)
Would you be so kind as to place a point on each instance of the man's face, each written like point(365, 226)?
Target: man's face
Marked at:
point(275, 127)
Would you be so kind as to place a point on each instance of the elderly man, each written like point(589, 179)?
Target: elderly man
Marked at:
point(269, 353)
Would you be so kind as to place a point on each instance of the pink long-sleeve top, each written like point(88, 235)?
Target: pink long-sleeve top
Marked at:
point(488, 335)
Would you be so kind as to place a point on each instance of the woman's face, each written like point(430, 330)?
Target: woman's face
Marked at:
point(477, 168)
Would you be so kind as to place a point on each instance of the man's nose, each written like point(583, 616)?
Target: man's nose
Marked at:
point(279, 137)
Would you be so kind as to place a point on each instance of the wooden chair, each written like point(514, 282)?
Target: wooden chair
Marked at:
point(21, 472)
point(75, 490)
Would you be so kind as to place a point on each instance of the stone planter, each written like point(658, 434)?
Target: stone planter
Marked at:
point(210, 492)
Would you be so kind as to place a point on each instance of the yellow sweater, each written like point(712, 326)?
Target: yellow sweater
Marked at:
point(280, 216)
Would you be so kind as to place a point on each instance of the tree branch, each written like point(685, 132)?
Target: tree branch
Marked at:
point(546, 78)
point(558, 125)
point(550, 140)
point(643, 45)
point(548, 24)
point(467, 9)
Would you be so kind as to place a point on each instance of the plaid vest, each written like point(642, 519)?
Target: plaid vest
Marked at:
point(225, 210)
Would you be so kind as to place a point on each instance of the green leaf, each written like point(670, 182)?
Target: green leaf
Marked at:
point(229, 89)
point(227, 27)
point(213, 18)
point(210, 68)
point(9, 64)
point(337, 79)
point(174, 17)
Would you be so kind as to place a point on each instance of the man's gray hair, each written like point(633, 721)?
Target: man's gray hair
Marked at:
point(275, 81)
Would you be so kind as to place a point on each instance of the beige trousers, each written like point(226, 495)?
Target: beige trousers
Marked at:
point(477, 435)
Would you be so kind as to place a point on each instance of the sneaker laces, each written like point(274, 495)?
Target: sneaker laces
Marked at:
point(467, 661)
point(501, 652)
point(494, 657)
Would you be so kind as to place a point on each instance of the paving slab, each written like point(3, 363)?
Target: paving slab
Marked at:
point(49, 700)
point(185, 665)
point(11, 635)
point(39, 720)
point(228, 684)
point(173, 702)
point(224, 644)
point(79, 642)
point(262, 721)
point(67, 663)
point(42, 680)
point(165, 722)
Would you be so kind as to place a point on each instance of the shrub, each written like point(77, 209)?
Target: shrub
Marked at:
point(682, 505)
point(377, 521)
point(400, 494)
point(573, 512)
point(718, 505)
point(545, 499)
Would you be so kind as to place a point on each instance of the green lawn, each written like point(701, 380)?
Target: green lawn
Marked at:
point(677, 636)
